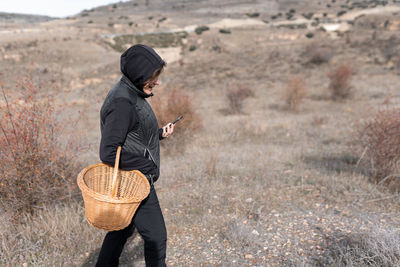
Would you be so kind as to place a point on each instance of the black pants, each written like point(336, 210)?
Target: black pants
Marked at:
point(150, 224)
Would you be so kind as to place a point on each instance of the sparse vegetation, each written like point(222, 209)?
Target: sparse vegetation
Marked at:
point(379, 247)
point(192, 48)
point(380, 136)
point(308, 15)
point(151, 39)
point(226, 31)
point(289, 16)
point(318, 54)
point(199, 30)
point(295, 92)
point(236, 99)
point(340, 81)
point(37, 166)
point(253, 15)
point(170, 104)
point(263, 187)
point(310, 35)
point(390, 49)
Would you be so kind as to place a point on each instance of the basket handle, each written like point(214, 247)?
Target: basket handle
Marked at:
point(115, 176)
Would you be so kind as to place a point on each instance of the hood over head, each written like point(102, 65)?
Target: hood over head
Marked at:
point(138, 64)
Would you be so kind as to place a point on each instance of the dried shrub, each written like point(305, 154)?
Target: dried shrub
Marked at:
point(390, 48)
point(295, 93)
point(236, 98)
point(240, 235)
point(318, 54)
point(318, 120)
point(211, 166)
point(380, 136)
point(170, 104)
point(340, 81)
point(37, 165)
point(377, 247)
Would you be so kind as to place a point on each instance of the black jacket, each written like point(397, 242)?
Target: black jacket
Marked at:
point(126, 118)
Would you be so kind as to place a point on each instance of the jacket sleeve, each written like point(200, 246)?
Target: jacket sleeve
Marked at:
point(118, 120)
point(160, 132)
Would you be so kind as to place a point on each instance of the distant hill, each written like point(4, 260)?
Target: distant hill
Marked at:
point(22, 18)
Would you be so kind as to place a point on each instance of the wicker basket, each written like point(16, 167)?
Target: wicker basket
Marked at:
point(111, 196)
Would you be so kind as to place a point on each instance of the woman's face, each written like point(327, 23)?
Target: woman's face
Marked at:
point(148, 87)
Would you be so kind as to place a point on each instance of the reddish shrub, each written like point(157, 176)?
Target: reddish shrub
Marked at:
point(381, 138)
point(340, 81)
point(295, 93)
point(170, 104)
point(37, 166)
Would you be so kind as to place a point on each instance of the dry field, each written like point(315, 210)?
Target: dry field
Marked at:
point(268, 184)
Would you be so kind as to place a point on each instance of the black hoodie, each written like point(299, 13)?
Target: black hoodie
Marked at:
point(127, 120)
point(138, 64)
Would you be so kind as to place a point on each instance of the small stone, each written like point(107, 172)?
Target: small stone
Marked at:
point(249, 200)
point(248, 256)
point(254, 232)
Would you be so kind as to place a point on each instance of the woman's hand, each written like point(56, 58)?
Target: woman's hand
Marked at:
point(168, 130)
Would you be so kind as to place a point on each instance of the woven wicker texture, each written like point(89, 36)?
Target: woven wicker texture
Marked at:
point(111, 196)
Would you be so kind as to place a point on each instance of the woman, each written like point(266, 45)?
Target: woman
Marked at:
point(127, 120)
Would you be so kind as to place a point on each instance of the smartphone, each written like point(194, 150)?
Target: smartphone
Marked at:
point(177, 119)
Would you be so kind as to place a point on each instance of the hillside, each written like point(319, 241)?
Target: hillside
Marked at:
point(268, 186)
point(6, 18)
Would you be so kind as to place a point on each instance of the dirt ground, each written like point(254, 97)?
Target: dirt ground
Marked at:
point(285, 185)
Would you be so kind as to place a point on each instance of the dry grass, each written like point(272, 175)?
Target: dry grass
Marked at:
point(55, 235)
point(270, 188)
point(376, 247)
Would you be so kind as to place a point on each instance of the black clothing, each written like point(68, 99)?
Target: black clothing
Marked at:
point(149, 222)
point(127, 120)
point(138, 63)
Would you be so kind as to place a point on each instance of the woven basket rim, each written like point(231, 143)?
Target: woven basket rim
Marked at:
point(105, 198)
